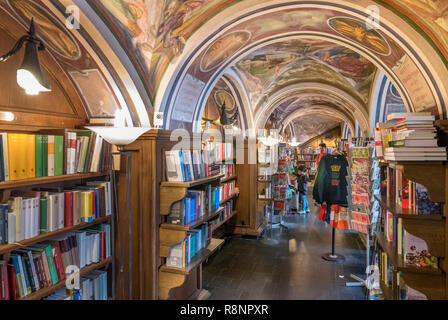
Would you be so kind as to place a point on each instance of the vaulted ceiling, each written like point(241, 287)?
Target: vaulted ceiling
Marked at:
point(297, 57)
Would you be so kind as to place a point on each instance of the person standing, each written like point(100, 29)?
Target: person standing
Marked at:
point(302, 186)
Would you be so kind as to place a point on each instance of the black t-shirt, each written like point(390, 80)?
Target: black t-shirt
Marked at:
point(331, 185)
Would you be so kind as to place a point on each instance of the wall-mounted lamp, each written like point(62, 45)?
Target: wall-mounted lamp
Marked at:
point(30, 75)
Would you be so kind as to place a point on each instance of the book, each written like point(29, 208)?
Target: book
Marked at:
point(51, 152)
point(39, 156)
point(174, 168)
point(30, 154)
point(58, 155)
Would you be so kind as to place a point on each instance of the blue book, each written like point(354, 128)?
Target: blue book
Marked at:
point(97, 203)
point(184, 175)
point(192, 206)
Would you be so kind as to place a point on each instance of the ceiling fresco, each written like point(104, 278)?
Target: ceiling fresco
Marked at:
point(275, 66)
point(310, 126)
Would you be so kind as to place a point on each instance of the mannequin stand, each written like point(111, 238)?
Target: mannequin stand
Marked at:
point(334, 257)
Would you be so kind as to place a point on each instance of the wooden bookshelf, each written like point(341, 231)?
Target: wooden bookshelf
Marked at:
point(228, 179)
point(186, 227)
point(388, 292)
point(199, 258)
point(431, 228)
point(42, 293)
point(397, 211)
point(49, 235)
point(397, 260)
point(224, 221)
point(193, 183)
point(48, 180)
point(233, 196)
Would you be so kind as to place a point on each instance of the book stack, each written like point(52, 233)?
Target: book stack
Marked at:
point(25, 156)
point(410, 137)
point(45, 264)
point(181, 255)
point(31, 213)
point(408, 195)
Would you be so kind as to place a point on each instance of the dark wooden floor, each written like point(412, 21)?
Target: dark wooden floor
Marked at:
point(248, 269)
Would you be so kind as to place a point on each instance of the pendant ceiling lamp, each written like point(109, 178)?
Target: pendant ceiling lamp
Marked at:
point(294, 143)
point(30, 75)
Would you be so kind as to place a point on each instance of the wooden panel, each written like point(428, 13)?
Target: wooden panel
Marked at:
point(432, 286)
point(147, 174)
point(62, 107)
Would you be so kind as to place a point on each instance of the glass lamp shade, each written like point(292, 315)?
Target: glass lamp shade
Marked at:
point(30, 75)
point(119, 136)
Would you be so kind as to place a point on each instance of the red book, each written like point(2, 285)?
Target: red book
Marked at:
point(38, 271)
point(4, 281)
point(103, 245)
point(58, 263)
point(93, 205)
point(13, 291)
point(68, 209)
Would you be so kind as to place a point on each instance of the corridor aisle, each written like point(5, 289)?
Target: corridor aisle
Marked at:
point(247, 269)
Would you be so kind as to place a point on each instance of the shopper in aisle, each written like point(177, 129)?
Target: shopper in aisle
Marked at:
point(302, 186)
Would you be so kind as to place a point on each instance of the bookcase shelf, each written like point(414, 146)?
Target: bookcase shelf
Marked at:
point(398, 212)
point(228, 179)
point(199, 258)
point(171, 192)
point(46, 180)
point(47, 236)
point(224, 221)
point(186, 227)
point(190, 184)
point(235, 195)
point(83, 272)
point(397, 259)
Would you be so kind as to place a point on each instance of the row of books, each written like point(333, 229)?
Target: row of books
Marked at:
point(181, 254)
point(224, 214)
point(52, 153)
point(31, 213)
point(411, 197)
point(92, 287)
point(198, 203)
point(45, 264)
point(190, 165)
point(228, 170)
point(413, 250)
point(409, 137)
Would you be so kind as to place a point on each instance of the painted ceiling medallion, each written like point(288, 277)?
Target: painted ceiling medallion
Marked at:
point(50, 30)
point(224, 48)
point(357, 30)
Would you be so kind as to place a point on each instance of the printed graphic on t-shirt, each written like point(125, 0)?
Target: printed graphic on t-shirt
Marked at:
point(335, 173)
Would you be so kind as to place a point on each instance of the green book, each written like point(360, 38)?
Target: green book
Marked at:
point(86, 133)
point(39, 158)
point(58, 155)
point(43, 215)
point(44, 156)
point(51, 265)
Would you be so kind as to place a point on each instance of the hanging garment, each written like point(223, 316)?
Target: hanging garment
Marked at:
point(336, 216)
point(331, 185)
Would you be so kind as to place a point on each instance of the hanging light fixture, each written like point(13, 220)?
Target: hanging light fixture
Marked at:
point(30, 75)
point(294, 142)
point(226, 121)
